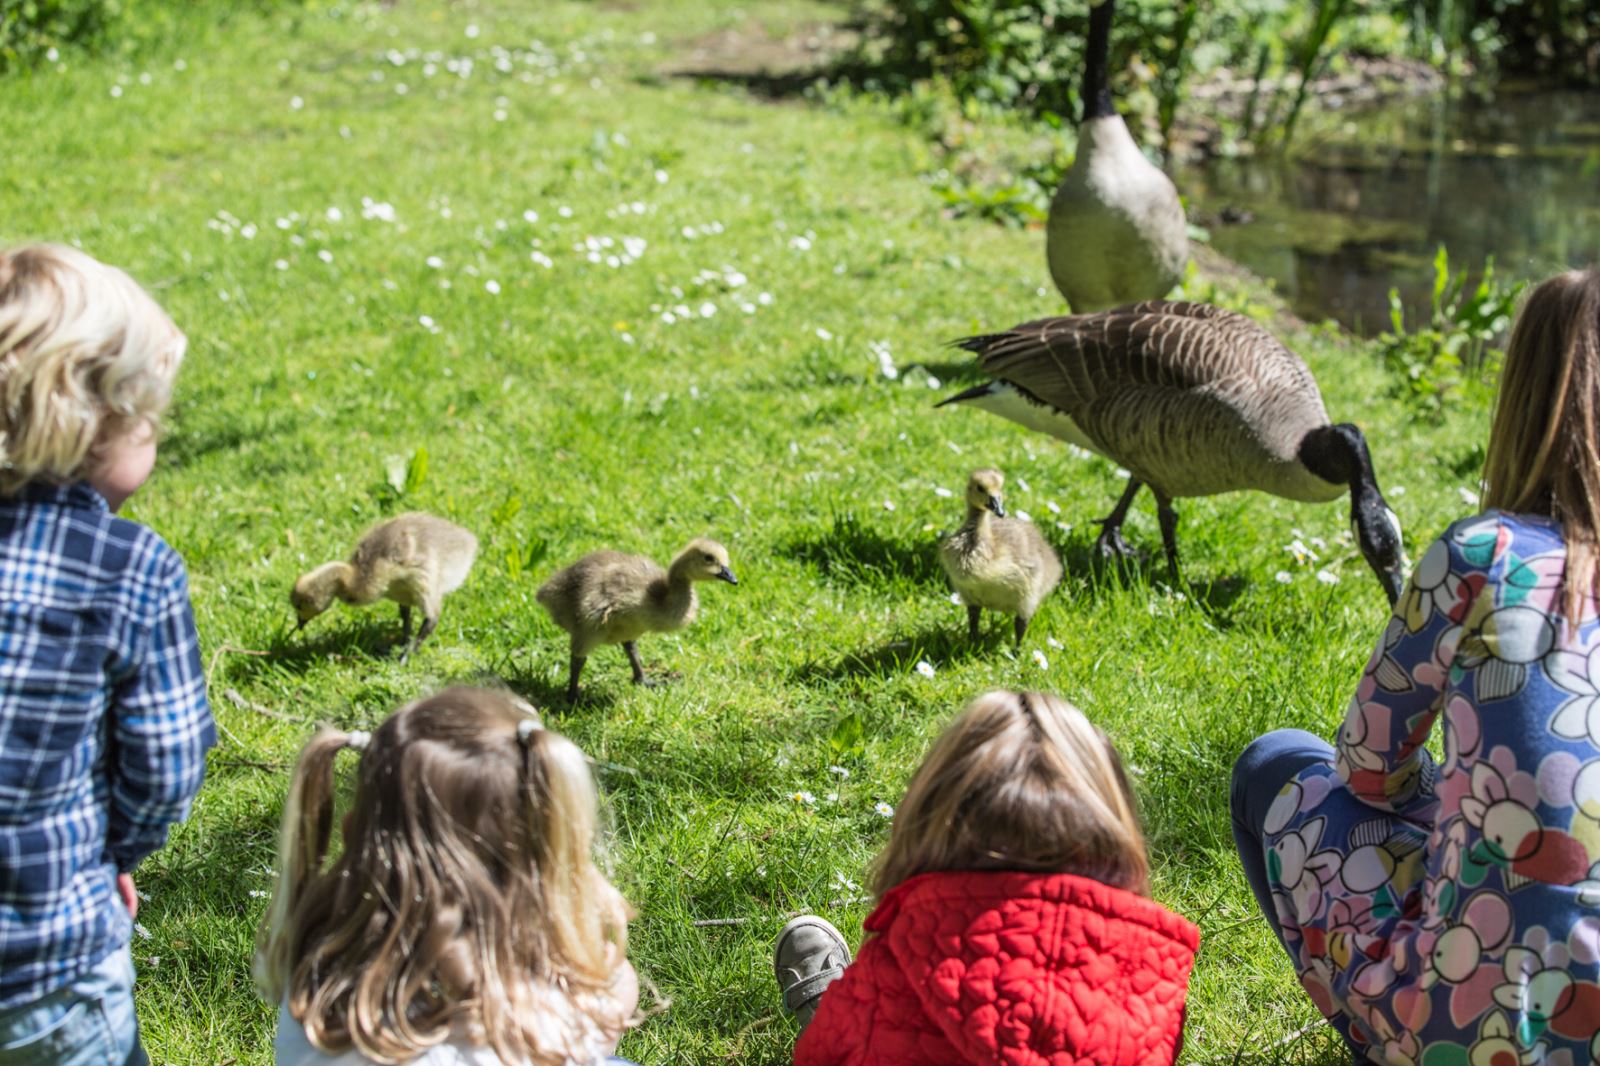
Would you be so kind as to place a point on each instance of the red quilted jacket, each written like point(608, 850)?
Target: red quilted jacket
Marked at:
point(1008, 969)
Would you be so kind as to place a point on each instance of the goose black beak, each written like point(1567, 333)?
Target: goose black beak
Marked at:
point(996, 506)
point(727, 575)
point(1394, 584)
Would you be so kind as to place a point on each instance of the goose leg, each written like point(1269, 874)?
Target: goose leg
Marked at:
point(633, 658)
point(573, 673)
point(1110, 541)
point(1169, 532)
point(1020, 626)
point(973, 614)
point(405, 624)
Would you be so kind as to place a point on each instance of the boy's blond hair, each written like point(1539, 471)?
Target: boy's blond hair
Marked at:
point(1019, 781)
point(465, 898)
point(85, 357)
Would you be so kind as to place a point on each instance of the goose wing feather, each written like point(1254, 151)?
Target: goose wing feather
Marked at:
point(1189, 397)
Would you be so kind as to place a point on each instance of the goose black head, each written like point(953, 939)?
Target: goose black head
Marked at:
point(1338, 454)
point(984, 491)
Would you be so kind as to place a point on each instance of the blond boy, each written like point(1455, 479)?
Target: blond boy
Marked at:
point(103, 717)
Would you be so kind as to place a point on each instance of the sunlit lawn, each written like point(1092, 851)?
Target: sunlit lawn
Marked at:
point(621, 308)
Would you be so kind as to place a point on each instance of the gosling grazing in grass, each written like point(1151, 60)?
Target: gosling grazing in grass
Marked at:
point(414, 559)
point(612, 598)
point(993, 561)
point(1193, 401)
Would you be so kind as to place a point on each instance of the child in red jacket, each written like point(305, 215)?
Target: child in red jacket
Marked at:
point(1013, 925)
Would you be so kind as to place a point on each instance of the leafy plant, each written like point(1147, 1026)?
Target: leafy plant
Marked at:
point(849, 737)
point(402, 476)
point(30, 29)
point(1450, 359)
point(522, 557)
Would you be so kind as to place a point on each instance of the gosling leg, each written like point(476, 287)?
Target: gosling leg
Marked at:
point(405, 624)
point(1019, 625)
point(1169, 533)
point(1110, 541)
point(973, 614)
point(428, 626)
point(633, 658)
point(574, 670)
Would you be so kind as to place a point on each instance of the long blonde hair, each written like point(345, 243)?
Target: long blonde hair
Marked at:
point(1019, 781)
point(85, 356)
point(466, 898)
point(1544, 447)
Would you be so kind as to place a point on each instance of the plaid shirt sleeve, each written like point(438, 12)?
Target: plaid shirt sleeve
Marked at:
point(161, 724)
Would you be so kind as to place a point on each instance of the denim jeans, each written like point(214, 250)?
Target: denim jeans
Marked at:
point(89, 1022)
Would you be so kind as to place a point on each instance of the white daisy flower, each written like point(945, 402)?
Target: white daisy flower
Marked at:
point(925, 668)
point(883, 809)
point(1040, 660)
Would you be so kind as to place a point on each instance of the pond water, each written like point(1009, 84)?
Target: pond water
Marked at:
point(1363, 207)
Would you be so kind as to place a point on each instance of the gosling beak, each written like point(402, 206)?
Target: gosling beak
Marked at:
point(997, 507)
point(727, 575)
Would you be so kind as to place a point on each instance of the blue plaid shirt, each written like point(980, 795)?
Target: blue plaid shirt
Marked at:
point(104, 726)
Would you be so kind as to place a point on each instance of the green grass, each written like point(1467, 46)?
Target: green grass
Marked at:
point(563, 414)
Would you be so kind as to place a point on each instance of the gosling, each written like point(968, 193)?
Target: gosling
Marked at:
point(611, 598)
point(414, 559)
point(993, 561)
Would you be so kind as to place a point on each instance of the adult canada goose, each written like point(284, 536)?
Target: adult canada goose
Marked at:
point(609, 597)
point(1001, 563)
point(1116, 231)
point(414, 559)
point(1194, 401)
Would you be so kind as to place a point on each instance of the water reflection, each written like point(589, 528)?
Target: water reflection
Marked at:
point(1365, 208)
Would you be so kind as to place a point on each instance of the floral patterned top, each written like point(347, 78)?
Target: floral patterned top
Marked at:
point(1450, 915)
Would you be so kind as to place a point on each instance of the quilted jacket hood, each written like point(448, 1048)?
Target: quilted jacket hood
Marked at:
point(1008, 969)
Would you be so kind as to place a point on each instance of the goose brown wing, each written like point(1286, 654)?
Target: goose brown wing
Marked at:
point(1168, 389)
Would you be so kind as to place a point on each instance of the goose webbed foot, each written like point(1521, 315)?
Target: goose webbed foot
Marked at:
point(1110, 542)
point(1111, 545)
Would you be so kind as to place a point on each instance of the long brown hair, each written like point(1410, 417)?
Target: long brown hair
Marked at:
point(1544, 447)
point(465, 900)
point(1019, 781)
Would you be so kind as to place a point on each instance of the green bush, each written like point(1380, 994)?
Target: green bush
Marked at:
point(1450, 359)
point(29, 29)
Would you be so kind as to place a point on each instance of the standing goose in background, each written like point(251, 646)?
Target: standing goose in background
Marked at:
point(1194, 401)
point(1116, 232)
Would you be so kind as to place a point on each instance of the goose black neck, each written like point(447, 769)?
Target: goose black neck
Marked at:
point(1097, 62)
point(1338, 454)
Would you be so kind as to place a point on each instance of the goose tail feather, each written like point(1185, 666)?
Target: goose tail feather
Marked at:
point(967, 394)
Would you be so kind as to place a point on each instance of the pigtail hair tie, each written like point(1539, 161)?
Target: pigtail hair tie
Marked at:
point(527, 728)
point(358, 740)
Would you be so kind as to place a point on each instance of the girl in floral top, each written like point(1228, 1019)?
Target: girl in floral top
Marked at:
point(1449, 915)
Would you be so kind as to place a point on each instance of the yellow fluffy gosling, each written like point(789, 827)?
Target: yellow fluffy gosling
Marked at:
point(413, 559)
point(993, 561)
point(611, 598)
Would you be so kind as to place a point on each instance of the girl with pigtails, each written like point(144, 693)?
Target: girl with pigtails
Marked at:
point(464, 919)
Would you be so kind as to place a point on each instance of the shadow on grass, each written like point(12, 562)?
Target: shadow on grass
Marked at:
point(373, 635)
point(595, 693)
point(939, 645)
point(853, 553)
